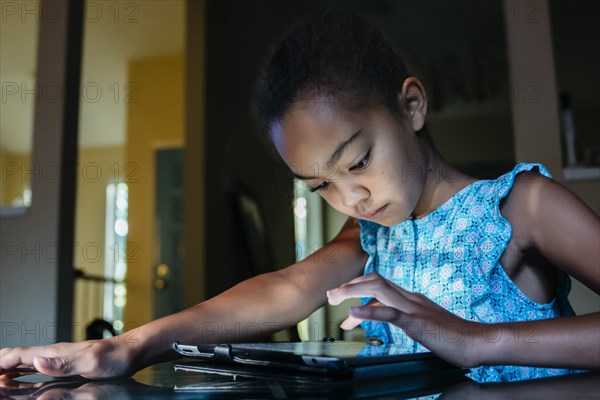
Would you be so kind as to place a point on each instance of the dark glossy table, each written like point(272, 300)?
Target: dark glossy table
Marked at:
point(162, 382)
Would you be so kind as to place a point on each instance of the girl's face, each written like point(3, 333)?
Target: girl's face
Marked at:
point(368, 164)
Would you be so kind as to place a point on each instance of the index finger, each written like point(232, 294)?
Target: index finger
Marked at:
point(352, 322)
point(379, 289)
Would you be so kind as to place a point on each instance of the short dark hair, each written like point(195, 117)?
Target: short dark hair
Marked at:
point(338, 55)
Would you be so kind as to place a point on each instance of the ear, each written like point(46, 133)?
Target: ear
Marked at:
point(414, 101)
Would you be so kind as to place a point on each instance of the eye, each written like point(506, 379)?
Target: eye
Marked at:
point(362, 164)
point(322, 186)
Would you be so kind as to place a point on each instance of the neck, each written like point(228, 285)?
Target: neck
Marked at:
point(441, 182)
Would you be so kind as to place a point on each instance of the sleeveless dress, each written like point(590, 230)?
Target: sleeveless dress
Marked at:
point(452, 256)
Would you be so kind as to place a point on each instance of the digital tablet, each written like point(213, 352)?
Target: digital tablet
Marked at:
point(349, 359)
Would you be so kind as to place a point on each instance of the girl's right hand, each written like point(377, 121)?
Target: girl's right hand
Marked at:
point(91, 359)
point(452, 338)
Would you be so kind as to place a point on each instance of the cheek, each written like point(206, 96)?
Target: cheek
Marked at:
point(396, 179)
point(400, 167)
point(388, 172)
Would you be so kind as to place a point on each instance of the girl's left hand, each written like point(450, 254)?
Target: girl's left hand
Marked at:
point(449, 336)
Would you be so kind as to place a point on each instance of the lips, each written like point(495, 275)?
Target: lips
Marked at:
point(374, 214)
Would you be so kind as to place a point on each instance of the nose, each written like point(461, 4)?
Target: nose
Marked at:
point(351, 195)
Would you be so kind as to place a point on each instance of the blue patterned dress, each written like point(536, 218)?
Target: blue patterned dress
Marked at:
point(452, 256)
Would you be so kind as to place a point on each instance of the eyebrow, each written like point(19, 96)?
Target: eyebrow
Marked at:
point(337, 154)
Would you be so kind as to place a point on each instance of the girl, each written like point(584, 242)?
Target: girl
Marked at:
point(475, 270)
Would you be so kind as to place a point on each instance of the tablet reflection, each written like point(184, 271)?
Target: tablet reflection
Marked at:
point(583, 385)
point(78, 388)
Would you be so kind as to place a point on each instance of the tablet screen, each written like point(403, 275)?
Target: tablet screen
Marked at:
point(326, 349)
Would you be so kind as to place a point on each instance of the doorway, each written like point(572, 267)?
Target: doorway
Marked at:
point(168, 288)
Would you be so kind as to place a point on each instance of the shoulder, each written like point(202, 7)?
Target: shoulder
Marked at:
point(527, 188)
point(530, 193)
point(521, 205)
point(542, 210)
point(534, 197)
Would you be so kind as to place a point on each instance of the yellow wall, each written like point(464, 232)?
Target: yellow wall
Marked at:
point(14, 177)
point(155, 121)
point(96, 169)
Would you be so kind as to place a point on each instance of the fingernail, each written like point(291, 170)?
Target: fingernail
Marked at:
point(331, 291)
point(346, 324)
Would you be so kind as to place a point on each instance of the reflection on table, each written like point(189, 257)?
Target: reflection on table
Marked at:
point(162, 381)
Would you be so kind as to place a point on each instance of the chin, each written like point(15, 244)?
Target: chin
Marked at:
point(392, 220)
point(389, 222)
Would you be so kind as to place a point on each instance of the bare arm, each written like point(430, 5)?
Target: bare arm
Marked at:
point(253, 308)
point(567, 233)
point(270, 301)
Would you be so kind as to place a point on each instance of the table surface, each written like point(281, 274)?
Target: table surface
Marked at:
point(162, 381)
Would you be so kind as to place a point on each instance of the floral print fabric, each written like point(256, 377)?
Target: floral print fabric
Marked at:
point(452, 256)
